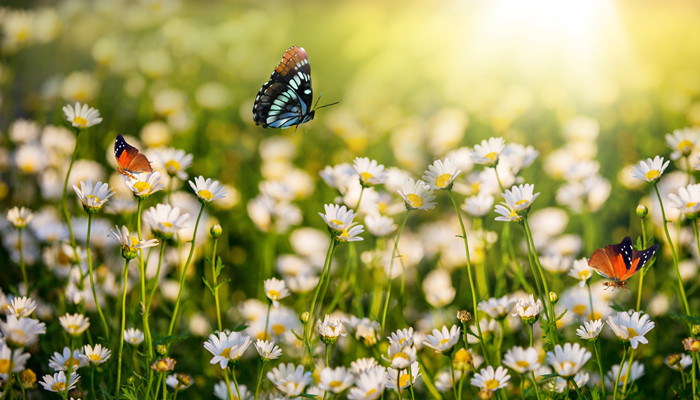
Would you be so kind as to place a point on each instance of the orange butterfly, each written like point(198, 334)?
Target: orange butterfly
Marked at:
point(129, 159)
point(618, 262)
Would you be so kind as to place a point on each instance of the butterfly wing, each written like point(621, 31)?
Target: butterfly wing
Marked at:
point(614, 260)
point(639, 259)
point(128, 157)
point(285, 100)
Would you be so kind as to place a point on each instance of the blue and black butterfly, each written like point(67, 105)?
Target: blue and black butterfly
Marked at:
point(285, 100)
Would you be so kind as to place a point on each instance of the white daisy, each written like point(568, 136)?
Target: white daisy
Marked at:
point(520, 197)
point(133, 336)
point(417, 195)
point(12, 360)
point(528, 309)
point(174, 161)
point(144, 184)
point(351, 235)
point(590, 329)
point(369, 384)
point(490, 379)
point(21, 332)
point(21, 307)
point(631, 327)
point(497, 308)
point(444, 340)
point(329, 329)
point(371, 173)
point(441, 174)
point(207, 190)
point(403, 337)
point(93, 197)
point(81, 115)
point(567, 361)
point(74, 324)
point(289, 379)
point(335, 380)
point(226, 347)
point(363, 364)
point(130, 245)
point(403, 378)
point(506, 214)
point(581, 271)
point(379, 225)
point(650, 170)
point(522, 360)
point(65, 360)
point(97, 354)
point(635, 372)
point(687, 200)
point(682, 142)
point(20, 217)
point(338, 218)
point(489, 151)
point(401, 357)
point(59, 383)
point(478, 205)
point(165, 220)
point(275, 290)
point(267, 349)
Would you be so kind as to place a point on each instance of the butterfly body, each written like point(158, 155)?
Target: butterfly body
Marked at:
point(618, 262)
point(286, 99)
point(129, 159)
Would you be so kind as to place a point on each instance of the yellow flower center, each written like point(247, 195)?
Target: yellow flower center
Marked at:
point(344, 235)
point(142, 187)
point(652, 174)
point(335, 222)
point(404, 379)
point(4, 366)
point(134, 242)
point(526, 307)
point(690, 205)
point(370, 392)
point(167, 224)
point(512, 214)
point(567, 363)
point(462, 356)
point(400, 355)
point(59, 387)
point(442, 180)
point(95, 357)
point(226, 352)
point(475, 187)
point(402, 340)
point(73, 328)
point(685, 146)
point(79, 121)
point(205, 194)
point(631, 332)
point(522, 364)
point(579, 309)
point(71, 362)
point(273, 294)
point(521, 202)
point(366, 176)
point(414, 200)
point(443, 341)
point(594, 316)
point(335, 384)
point(278, 329)
point(95, 199)
point(172, 166)
point(584, 274)
point(491, 384)
point(491, 156)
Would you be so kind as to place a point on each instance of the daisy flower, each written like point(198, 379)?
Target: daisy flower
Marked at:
point(402, 378)
point(267, 350)
point(93, 197)
point(74, 324)
point(335, 380)
point(165, 220)
point(144, 184)
point(497, 308)
point(65, 360)
point(379, 225)
point(478, 205)
point(338, 218)
point(520, 197)
point(81, 115)
point(133, 336)
point(21, 307)
point(679, 361)
point(289, 379)
point(351, 235)
point(590, 329)
point(329, 329)
point(20, 217)
point(371, 173)
point(631, 327)
point(21, 332)
point(650, 170)
point(59, 383)
point(691, 344)
point(275, 290)
point(417, 195)
point(528, 309)
point(369, 385)
point(635, 372)
point(403, 337)
point(130, 245)
point(687, 200)
point(163, 365)
point(11, 359)
point(441, 174)
point(489, 151)
point(401, 357)
point(226, 347)
point(221, 390)
point(207, 190)
point(568, 360)
point(490, 379)
point(521, 360)
point(581, 271)
point(362, 365)
point(444, 340)
point(682, 142)
point(174, 161)
point(179, 381)
point(97, 354)
point(506, 214)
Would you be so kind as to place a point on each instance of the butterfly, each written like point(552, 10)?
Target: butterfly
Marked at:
point(285, 100)
point(129, 160)
point(618, 262)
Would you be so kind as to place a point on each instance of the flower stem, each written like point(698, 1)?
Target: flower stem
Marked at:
point(155, 284)
point(92, 279)
point(619, 372)
point(64, 206)
point(681, 290)
point(235, 381)
point(266, 336)
point(646, 267)
point(21, 261)
point(578, 391)
point(184, 273)
point(470, 277)
point(215, 277)
point(326, 268)
point(142, 273)
point(123, 325)
point(260, 376)
point(534, 384)
point(391, 267)
point(599, 361)
point(627, 373)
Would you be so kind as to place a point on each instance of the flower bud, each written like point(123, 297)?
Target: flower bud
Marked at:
point(642, 211)
point(674, 359)
point(162, 349)
point(304, 317)
point(28, 378)
point(216, 231)
point(464, 316)
point(553, 297)
point(695, 330)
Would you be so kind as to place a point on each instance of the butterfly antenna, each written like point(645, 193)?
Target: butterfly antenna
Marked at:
point(316, 107)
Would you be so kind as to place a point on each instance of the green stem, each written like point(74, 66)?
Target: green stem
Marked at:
point(328, 352)
point(92, 280)
point(123, 326)
point(21, 261)
point(599, 361)
point(470, 277)
point(142, 273)
point(578, 391)
point(155, 284)
point(391, 267)
point(590, 301)
point(627, 374)
point(619, 372)
point(64, 206)
point(235, 381)
point(452, 375)
point(260, 376)
point(326, 270)
point(534, 384)
point(184, 273)
point(165, 386)
point(267, 320)
point(646, 267)
point(681, 290)
point(215, 277)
